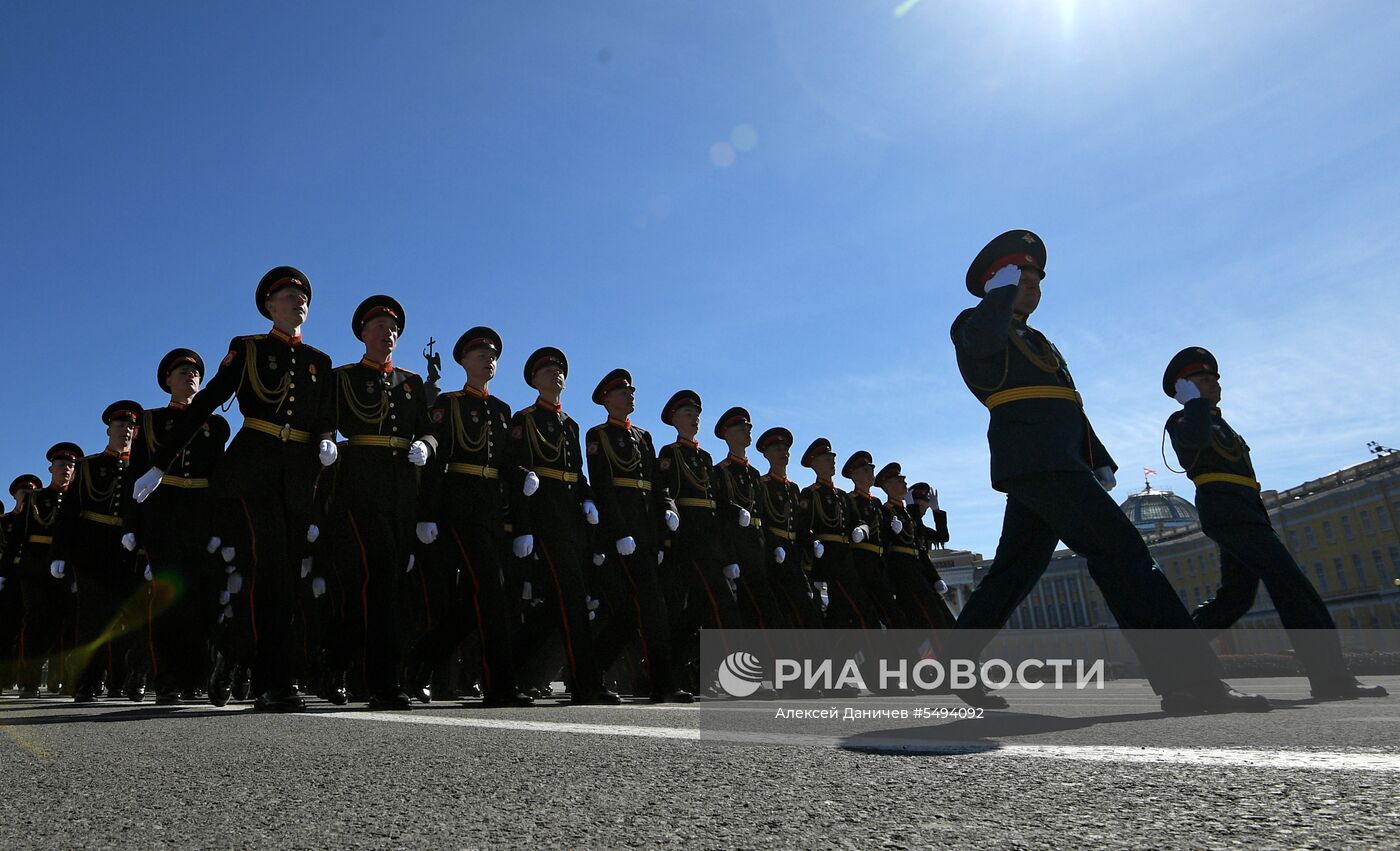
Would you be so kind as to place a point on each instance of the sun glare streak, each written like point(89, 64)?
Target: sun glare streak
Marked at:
point(903, 8)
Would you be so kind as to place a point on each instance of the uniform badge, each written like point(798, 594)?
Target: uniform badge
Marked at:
point(369, 388)
point(592, 447)
point(437, 415)
point(664, 464)
point(476, 417)
point(517, 432)
point(272, 362)
point(228, 358)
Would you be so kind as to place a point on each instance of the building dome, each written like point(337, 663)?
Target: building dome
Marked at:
point(1153, 511)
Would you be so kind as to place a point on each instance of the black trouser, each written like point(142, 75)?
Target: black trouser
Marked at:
point(801, 607)
point(273, 532)
point(1044, 508)
point(636, 607)
point(44, 602)
point(565, 611)
point(13, 626)
point(921, 606)
point(112, 605)
point(1249, 553)
point(175, 532)
point(757, 602)
point(848, 602)
point(369, 560)
point(870, 568)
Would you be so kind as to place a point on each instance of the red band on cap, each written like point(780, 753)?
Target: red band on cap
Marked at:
point(479, 341)
point(132, 415)
point(614, 384)
point(1192, 369)
point(376, 311)
point(283, 283)
point(1009, 260)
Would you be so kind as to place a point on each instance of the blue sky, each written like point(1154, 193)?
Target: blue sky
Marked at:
point(770, 202)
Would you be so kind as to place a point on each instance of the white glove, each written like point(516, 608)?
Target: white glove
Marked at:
point(527, 591)
point(744, 518)
point(860, 533)
point(148, 574)
point(227, 613)
point(1006, 276)
point(598, 559)
point(418, 453)
point(213, 545)
point(235, 583)
point(426, 532)
point(933, 501)
point(2, 583)
point(1105, 477)
point(673, 520)
point(56, 569)
point(660, 556)
point(410, 563)
point(149, 481)
point(227, 554)
point(328, 452)
point(73, 587)
point(312, 533)
point(1186, 390)
point(532, 483)
point(731, 571)
point(224, 597)
point(523, 546)
point(941, 587)
point(305, 567)
point(590, 512)
point(129, 542)
point(896, 525)
point(318, 586)
point(817, 549)
point(779, 555)
point(592, 605)
point(626, 546)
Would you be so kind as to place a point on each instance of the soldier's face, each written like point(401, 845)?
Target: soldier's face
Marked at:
point(778, 455)
point(687, 420)
point(183, 379)
point(919, 508)
point(549, 377)
point(289, 307)
point(1209, 385)
point(863, 476)
point(380, 334)
point(480, 364)
point(620, 401)
point(895, 487)
point(61, 472)
point(825, 465)
point(121, 431)
point(739, 435)
point(1027, 292)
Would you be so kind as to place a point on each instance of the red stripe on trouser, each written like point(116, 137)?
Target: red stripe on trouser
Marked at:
point(637, 607)
point(563, 614)
point(476, 607)
point(850, 602)
point(364, 596)
point(253, 586)
point(714, 604)
point(753, 601)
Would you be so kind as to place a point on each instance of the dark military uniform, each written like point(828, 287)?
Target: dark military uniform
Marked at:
point(912, 574)
point(111, 602)
point(545, 440)
point(174, 527)
point(47, 602)
point(826, 511)
point(12, 619)
point(739, 487)
point(782, 528)
point(631, 504)
point(1217, 460)
point(868, 556)
point(463, 491)
point(1044, 454)
point(285, 392)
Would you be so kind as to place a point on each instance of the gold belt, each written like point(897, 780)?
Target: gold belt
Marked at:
point(870, 548)
point(834, 539)
point(639, 484)
point(285, 433)
point(474, 470)
point(691, 502)
point(1228, 478)
point(182, 482)
point(557, 475)
point(905, 551)
point(40, 539)
point(380, 440)
point(105, 519)
point(781, 533)
point(1016, 394)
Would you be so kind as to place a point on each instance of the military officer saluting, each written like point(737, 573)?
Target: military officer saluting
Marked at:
point(739, 494)
point(88, 539)
point(1054, 471)
point(825, 511)
point(285, 392)
point(381, 411)
point(1217, 460)
point(461, 518)
point(549, 507)
point(633, 511)
point(787, 542)
point(175, 527)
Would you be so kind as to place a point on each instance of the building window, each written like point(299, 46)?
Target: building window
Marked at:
point(1327, 532)
point(1341, 574)
point(1293, 542)
point(1346, 528)
point(1360, 571)
point(1310, 537)
point(1094, 610)
point(1321, 576)
point(1366, 522)
point(1395, 561)
point(1379, 562)
point(1180, 592)
point(1383, 518)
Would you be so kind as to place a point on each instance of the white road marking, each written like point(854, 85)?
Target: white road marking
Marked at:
point(1374, 761)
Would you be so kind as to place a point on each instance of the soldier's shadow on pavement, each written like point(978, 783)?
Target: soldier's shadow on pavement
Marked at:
point(88, 714)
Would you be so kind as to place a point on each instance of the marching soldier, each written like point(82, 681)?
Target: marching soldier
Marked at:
point(175, 527)
point(285, 392)
point(12, 609)
point(548, 512)
point(923, 502)
point(697, 573)
point(89, 537)
point(461, 518)
point(1216, 459)
point(826, 512)
point(867, 530)
point(632, 511)
point(906, 558)
point(738, 491)
point(372, 504)
point(786, 542)
point(1054, 471)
